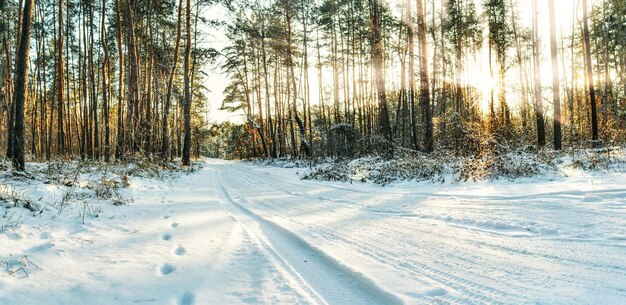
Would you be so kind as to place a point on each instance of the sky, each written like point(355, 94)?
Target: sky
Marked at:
point(216, 81)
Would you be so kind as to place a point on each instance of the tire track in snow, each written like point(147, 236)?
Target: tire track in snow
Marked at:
point(465, 290)
point(468, 290)
point(318, 277)
point(253, 180)
point(471, 286)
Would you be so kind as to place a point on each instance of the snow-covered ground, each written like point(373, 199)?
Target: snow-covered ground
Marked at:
point(236, 233)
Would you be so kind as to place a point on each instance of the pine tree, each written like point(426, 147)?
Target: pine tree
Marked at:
point(21, 79)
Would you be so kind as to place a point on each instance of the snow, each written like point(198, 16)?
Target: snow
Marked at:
point(238, 233)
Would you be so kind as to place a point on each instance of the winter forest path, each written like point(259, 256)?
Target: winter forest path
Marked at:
point(235, 233)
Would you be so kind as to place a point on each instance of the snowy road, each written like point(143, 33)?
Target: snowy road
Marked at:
point(234, 233)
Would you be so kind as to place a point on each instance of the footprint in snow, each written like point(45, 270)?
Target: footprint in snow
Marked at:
point(187, 298)
point(166, 236)
point(180, 251)
point(166, 217)
point(174, 224)
point(167, 269)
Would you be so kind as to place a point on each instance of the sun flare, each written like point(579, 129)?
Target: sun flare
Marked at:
point(483, 82)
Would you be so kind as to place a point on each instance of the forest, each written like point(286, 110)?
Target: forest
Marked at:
point(101, 80)
point(122, 79)
point(350, 78)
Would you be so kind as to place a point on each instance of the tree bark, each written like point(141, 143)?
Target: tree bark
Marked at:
point(187, 89)
point(424, 82)
point(21, 79)
point(377, 58)
point(105, 93)
point(411, 97)
point(168, 98)
point(119, 146)
point(60, 88)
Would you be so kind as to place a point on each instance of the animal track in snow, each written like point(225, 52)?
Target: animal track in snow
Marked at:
point(187, 298)
point(167, 269)
point(174, 225)
point(180, 251)
point(166, 236)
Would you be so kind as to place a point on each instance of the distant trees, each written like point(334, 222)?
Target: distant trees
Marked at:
point(312, 78)
point(366, 78)
point(463, 32)
point(103, 80)
point(499, 42)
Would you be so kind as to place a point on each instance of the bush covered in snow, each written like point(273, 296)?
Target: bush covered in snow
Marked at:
point(494, 164)
point(76, 182)
point(283, 162)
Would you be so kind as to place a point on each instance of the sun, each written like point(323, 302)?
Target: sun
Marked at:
point(483, 82)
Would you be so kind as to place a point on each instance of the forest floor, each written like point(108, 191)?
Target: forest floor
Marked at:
point(239, 233)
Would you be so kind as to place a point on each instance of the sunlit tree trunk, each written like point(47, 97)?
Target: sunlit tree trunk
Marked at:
point(589, 77)
point(424, 82)
point(556, 98)
point(541, 133)
point(377, 58)
point(411, 97)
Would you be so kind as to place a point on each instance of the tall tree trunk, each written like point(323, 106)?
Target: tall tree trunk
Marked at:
point(105, 93)
point(11, 104)
point(11, 112)
point(424, 83)
point(21, 79)
point(304, 145)
point(377, 58)
point(589, 77)
point(520, 66)
point(556, 99)
point(267, 93)
point(541, 133)
point(187, 89)
point(168, 97)
point(119, 146)
point(92, 82)
point(458, 59)
point(60, 88)
point(133, 80)
point(411, 37)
